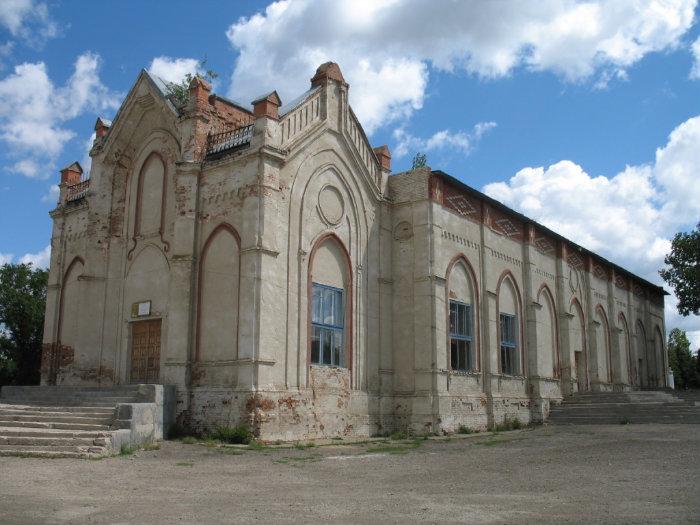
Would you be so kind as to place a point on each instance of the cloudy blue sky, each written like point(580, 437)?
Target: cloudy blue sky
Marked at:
point(583, 115)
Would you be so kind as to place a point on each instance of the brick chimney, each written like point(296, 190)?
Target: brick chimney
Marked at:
point(200, 90)
point(267, 105)
point(70, 175)
point(327, 71)
point(102, 127)
point(384, 157)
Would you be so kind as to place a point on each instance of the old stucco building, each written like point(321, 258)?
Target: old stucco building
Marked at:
point(267, 264)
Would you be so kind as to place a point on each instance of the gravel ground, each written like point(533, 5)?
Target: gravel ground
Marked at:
point(604, 474)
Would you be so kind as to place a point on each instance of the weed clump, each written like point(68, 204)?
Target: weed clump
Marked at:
point(508, 424)
point(238, 435)
point(256, 445)
point(127, 450)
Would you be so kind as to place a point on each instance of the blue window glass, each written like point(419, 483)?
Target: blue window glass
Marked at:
point(327, 324)
point(461, 334)
point(509, 345)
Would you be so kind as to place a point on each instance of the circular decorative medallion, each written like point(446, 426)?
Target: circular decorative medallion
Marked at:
point(331, 205)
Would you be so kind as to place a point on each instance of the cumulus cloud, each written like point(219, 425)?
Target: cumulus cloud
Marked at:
point(695, 50)
point(52, 195)
point(28, 20)
point(385, 47)
point(460, 141)
point(628, 218)
point(28, 168)
point(86, 163)
point(40, 259)
point(174, 69)
point(33, 111)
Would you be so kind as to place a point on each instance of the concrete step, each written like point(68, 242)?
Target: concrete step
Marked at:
point(27, 390)
point(57, 425)
point(624, 408)
point(58, 418)
point(49, 454)
point(629, 420)
point(52, 432)
point(658, 406)
point(53, 448)
point(97, 403)
point(70, 397)
point(53, 409)
point(54, 441)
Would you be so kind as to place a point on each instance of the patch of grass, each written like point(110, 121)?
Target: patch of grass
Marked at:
point(508, 424)
point(184, 464)
point(257, 445)
point(493, 442)
point(211, 443)
point(398, 435)
point(298, 459)
point(395, 449)
point(189, 440)
point(152, 446)
point(230, 451)
point(464, 430)
point(304, 446)
point(127, 450)
point(336, 438)
point(238, 435)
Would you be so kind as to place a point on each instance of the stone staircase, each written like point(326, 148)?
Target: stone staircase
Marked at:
point(50, 421)
point(613, 408)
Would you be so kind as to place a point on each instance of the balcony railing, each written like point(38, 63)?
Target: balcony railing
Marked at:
point(78, 191)
point(228, 140)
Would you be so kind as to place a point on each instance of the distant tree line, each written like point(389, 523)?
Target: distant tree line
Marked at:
point(685, 365)
point(22, 305)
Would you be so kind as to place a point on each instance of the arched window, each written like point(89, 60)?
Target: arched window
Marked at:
point(219, 281)
point(509, 327)
point(150, 197)
point(577, 342)
point(547, 353)
point(69, 307)
point(602, 334)
point(641, 365)
point(462, 315)
point(659, 350)
point(624, 344)
point(330, 304)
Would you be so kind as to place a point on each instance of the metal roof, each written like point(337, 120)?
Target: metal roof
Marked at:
point(499, 205)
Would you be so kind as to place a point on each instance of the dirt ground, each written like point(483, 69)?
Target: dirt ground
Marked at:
point(607, 474)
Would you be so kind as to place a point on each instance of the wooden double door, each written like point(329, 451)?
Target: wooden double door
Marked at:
point(145, 351)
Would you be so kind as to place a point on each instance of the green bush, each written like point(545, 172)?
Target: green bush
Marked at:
point(238, 435)
point(464, 430)
point(508, 424)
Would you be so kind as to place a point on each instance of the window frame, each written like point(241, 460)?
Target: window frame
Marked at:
point(509, 346)
point(467, 337)
point(328, 329)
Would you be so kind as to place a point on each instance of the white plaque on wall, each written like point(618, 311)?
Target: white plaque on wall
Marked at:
point(141, 309)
